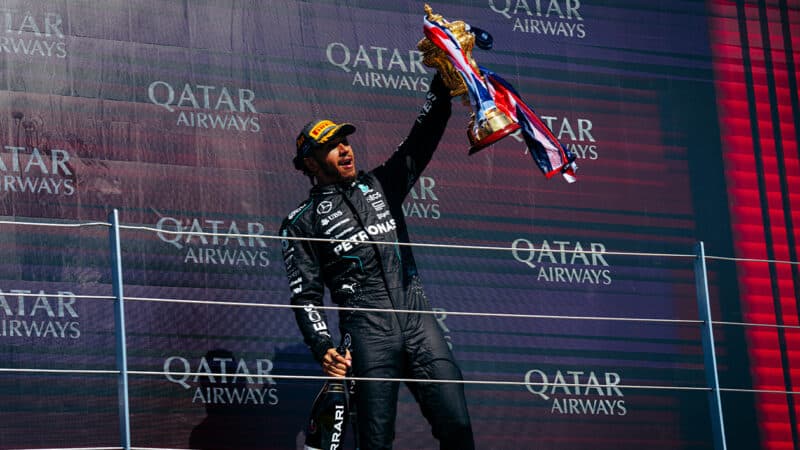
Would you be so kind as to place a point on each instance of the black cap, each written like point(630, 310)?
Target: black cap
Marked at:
point(315, 134)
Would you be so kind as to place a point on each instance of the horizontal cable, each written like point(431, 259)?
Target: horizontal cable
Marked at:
point(530, 248)
point(398, 380)
point(411, 311)
point(759, 391)
point(69, 448)
point(415, 380)
point(751, 324)
point(56, 224)
point(12, 293)
point(155, 448)
point(409, 244)
point(770, 261)
point(61, 371)
point(454, 313)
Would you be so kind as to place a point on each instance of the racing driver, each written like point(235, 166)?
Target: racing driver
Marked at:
point(357, 218)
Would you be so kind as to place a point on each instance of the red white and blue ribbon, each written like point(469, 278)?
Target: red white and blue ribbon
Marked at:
point(547, 152)
point(479, 96)
point(545, 149)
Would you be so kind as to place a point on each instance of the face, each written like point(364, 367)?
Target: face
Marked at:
point(333, 163)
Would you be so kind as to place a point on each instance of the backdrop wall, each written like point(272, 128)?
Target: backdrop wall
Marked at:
point(183, 115)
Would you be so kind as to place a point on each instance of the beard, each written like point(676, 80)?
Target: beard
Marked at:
point(333, 173)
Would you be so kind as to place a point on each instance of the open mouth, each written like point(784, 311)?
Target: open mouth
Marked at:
point(346, 163)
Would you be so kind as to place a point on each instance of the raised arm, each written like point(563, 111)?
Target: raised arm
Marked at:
point(399, 173)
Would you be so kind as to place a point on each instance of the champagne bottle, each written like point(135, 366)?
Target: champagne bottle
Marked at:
point(330, 411)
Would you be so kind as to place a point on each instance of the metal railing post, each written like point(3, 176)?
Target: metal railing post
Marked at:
point(709, 352)
point(119, 327)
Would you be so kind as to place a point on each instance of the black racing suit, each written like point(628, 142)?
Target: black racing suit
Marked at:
point(364, 274)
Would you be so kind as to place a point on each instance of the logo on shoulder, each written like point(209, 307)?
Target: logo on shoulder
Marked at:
point(294, 213)
point(324, 207)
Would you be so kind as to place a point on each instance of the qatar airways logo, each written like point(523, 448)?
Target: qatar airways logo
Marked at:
point(379, 67)
point(575, 134)
point(578, 392)
point(224, 379)
point(560, 261)
point(200, 242)
point(207, 106)
point(34, 35)
point(422, 202)
point(543, 17)
point(45, 315)
point(43, 172)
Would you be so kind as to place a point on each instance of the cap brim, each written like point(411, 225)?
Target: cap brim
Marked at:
point(344, 129)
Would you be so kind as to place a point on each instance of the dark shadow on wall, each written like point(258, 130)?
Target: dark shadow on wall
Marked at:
point(272, 418)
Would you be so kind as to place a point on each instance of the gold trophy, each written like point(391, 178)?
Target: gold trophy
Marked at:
point(447, 47)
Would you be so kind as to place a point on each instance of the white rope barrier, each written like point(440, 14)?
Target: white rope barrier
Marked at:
point(409, 244)
point(16, 293)
point(328, 378)
point(71, 448)
point(526, 248)
point(155, 448)
point(752, 324)
point(768, 261)
point(60, 371)
point(418, 380)
point(759, 391)
point(389, 310)
point(397, 380)
point(56, 224)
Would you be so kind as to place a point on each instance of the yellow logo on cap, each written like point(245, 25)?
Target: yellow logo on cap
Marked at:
point(319, 128)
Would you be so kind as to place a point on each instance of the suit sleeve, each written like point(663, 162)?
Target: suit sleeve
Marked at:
point(307, 289)
point(399, 173)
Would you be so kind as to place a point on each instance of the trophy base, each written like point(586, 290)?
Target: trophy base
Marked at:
point(492, 138)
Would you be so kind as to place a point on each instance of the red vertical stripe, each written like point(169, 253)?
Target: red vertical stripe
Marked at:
point(749, 214)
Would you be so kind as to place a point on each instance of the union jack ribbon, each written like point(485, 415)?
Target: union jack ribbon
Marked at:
point(479, 96)
point(547, 152)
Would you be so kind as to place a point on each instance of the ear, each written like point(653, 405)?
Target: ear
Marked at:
point(311, 164)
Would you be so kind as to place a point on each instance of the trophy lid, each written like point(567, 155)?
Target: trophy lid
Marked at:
point(433, 17)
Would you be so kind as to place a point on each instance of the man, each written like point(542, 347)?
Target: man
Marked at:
point(365, 210)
